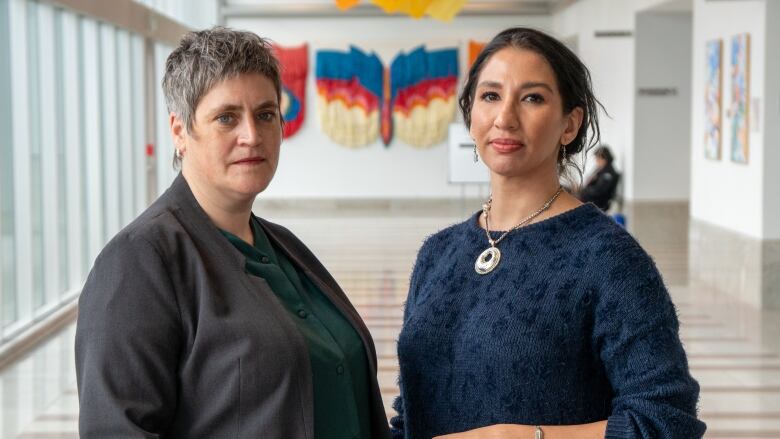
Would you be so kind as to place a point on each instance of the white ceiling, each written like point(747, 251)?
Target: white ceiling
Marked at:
point(365, 8)
point(672, 6)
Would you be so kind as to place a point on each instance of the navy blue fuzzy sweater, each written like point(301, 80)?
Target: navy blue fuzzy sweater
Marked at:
point(574, 326)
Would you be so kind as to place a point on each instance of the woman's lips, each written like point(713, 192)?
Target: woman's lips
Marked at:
point(249, 161)
point(506, 145)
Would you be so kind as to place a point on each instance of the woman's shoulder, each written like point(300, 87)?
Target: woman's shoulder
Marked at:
point(588, 226)
point(608, 239)
point(154, 230)
point(617, 259)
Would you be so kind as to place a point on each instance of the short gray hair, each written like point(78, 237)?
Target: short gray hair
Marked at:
point(207, 57)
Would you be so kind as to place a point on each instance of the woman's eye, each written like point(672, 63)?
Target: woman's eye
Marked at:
point(225, 119)
point(489, 96)
point(267, 116)
point(534, 98)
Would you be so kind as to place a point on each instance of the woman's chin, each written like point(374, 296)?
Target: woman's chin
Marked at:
point(505, 168)
point(250, 188)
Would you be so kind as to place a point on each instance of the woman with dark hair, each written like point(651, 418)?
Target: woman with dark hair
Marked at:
point(538, 316)
point(602, 185)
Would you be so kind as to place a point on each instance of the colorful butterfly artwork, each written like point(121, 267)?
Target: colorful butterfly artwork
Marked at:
point(294, 63)
point(349, 94)
point(359, 100)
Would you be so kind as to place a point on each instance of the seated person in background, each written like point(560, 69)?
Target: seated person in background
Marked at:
point(602, 185)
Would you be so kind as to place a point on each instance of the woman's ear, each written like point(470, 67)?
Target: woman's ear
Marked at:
point(177, 130)
point(573, 124)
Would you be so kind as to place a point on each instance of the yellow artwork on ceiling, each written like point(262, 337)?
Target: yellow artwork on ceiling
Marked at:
point(444, 10)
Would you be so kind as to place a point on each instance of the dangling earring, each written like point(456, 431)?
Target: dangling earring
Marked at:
point(476, 156)
point(563, 153)
point(178, 154)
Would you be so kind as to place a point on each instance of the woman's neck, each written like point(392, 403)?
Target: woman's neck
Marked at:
point(515, 199)
point(227, 214)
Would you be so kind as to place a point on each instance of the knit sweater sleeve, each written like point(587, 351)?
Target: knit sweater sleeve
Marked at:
point(636, 334)
point(421, 266)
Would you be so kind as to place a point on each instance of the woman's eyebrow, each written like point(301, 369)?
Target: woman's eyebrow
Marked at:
point(234, 107)
point(524, 86)
point(527, 85)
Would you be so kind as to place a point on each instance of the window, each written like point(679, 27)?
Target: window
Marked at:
point(73, 168)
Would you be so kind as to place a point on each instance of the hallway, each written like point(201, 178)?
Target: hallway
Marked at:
point(733, 350)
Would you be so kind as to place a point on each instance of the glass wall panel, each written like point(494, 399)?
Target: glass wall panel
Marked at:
point(110, 141)
point(7, 250)
point(93, 135)
point(125, 127)
point(138, 105)
point(47, 123)
point(83, 151)
point(63, 238)
point(36, 155)
point(73, 168)
point(23, 144)
point(165, 172)
point(72, 113)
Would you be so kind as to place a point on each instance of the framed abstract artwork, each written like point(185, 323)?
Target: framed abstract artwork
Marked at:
point(740, 98)
point(713, 88)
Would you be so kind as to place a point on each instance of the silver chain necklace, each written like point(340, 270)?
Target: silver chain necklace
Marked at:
point(488, 260)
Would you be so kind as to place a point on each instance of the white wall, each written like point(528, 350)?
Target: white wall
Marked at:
point(662, 123)
point(724, 193)
point(738, 197)
point(311, 165)
point(611, 63)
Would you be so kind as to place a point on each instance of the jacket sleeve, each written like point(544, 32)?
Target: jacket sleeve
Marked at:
point(127, 344)
point(636, 335)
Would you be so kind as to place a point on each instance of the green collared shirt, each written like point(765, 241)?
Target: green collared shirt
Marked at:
point(338, 359)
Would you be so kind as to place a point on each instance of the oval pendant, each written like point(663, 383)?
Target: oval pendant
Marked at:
point(487, 260)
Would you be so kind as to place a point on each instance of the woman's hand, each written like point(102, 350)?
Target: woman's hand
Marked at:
point(498, 431)
point(595, 430)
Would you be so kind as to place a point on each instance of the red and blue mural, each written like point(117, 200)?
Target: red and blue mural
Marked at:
point(360, 100)
point(294, 63)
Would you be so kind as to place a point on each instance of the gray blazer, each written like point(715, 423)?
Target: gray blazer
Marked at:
point(176, 340)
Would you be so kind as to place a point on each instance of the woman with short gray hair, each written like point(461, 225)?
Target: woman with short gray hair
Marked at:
point(201, 320)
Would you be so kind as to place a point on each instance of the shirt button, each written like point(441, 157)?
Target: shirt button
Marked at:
point(302, 313)
point(265, 259)
point(340, 369)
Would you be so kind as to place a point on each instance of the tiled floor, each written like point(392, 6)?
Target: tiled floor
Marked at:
point(734, 351)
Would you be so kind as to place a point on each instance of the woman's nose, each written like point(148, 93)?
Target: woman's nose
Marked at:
point(249, 134)
point(507, 117)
